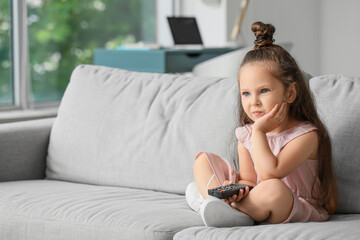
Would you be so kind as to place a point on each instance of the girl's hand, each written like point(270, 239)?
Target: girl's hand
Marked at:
point(272, 119)
point(236, 198)
point(225, 183)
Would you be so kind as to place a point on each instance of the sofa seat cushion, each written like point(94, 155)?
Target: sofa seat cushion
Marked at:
point(46, 209)
point(338, 227)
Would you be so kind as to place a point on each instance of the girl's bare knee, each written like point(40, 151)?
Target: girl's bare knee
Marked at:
point(275, 192)
point(278, 199)
point(200, 161)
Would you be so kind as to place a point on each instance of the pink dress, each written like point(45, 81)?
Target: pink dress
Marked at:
point(300, 181)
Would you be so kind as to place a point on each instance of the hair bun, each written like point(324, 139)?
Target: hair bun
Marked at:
point(263, 33)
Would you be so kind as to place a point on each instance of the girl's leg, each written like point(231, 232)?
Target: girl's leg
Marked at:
point(213, 211)
point(202, 174)
point(270, 201)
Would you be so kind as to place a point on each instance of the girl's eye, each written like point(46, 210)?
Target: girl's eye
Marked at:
point(246, 94)
point(265, 90)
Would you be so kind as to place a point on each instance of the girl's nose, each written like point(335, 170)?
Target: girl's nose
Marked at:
point(255, 101)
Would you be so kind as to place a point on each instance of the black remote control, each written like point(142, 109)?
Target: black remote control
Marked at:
point(224, 192)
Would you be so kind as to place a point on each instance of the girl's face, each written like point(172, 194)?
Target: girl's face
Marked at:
point(260, 90)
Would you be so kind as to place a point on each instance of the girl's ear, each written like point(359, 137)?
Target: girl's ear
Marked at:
point(291, 93)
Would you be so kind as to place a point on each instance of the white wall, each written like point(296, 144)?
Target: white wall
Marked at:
point(215, 19)
point(324, 33)
point(295, 22)
point(339, 41)
point(164, 9)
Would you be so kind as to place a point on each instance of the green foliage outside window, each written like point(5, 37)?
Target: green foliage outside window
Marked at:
point(64, 33)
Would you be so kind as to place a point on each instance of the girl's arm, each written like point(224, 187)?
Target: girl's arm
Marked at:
point(290, 157)
point(246, 167)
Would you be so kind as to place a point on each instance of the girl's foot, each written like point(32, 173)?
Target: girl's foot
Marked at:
point(193, 197)
point(216, 213)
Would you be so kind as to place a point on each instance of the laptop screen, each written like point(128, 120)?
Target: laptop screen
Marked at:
point(184, 30)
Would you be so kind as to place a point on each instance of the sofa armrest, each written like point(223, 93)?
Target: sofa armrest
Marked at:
point(23, 149)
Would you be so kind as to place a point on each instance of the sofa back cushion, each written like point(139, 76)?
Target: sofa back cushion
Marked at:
point(140, 130)
point(338, 102)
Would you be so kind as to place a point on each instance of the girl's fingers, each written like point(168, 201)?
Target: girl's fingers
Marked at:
point(280, 108)
point(272, 113)
point(240, 196)
point(280, 114)
point(275, 110)
point(243, 194)
point(231, 199)
point(247, 190)
point(235, 197)
point(284, 112)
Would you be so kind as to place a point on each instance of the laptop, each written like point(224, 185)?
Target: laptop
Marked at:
point(185, 32)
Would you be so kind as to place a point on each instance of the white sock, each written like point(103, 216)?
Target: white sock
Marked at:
point(193, 197)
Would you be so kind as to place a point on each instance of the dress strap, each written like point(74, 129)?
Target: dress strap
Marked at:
point(243, 133)
point(277, 142)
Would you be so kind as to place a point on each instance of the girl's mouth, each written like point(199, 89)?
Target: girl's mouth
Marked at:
point(257, 113)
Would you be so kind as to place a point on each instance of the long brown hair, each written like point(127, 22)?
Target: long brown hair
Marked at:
point(302, 109)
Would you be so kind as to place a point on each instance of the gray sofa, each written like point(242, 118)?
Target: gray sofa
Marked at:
point(115, 162)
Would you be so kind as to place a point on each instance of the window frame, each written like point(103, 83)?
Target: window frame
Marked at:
point(21, 81)
point(21, 77)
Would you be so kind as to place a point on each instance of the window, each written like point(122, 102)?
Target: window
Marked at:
point(6, 87)
point(60, 34)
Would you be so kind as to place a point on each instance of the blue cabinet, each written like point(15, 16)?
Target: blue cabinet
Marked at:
point(159, 60)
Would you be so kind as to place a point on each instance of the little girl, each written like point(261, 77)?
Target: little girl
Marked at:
point(284, 149)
